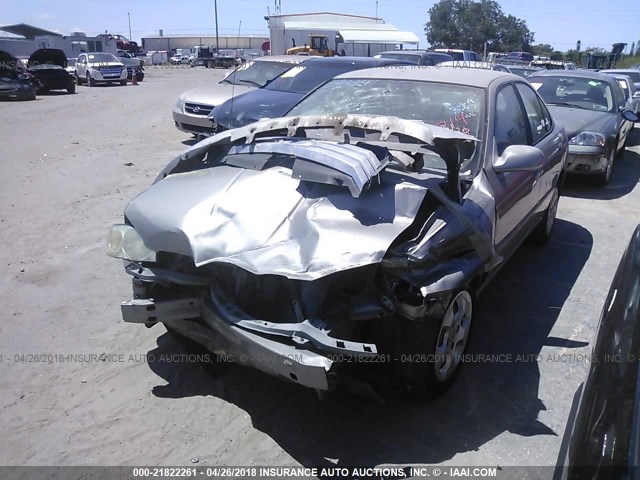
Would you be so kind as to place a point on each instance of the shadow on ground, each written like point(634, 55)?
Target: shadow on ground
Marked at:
point(624, 178)
point(515, 316)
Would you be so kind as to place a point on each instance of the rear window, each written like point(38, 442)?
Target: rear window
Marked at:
point(403, 56)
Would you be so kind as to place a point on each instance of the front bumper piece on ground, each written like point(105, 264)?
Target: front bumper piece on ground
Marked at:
point(298, 352)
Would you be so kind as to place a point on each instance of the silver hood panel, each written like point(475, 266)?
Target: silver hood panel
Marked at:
point(268, 222)
point(215, 94)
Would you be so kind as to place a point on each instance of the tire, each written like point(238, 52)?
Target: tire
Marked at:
point(27, 95)
point(543, 230)
point(432, 358)
point(78, 79)
point(71, 88)
point(602, 179)
point(90, 81)
point(123, 83)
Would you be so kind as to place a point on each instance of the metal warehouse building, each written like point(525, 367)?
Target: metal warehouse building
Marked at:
point(346, 34)
point(160, 43)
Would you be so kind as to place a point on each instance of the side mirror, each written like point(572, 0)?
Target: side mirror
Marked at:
point(519, 158)
point(631, 116)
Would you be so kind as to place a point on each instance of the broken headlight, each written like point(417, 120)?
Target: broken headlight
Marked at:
point(124, 242)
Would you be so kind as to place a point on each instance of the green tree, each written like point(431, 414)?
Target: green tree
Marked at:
point(571, 56)
point(542, 49)
point(470, 24)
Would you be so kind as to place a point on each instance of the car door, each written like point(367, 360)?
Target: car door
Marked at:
point(546, 137)
point(622, 126)
point(81, 66)
point(515, 193)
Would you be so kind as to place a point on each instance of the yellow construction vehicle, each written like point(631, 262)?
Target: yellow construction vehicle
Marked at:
point(318, 47)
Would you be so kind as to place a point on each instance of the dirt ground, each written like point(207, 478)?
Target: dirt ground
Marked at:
point(80, 387)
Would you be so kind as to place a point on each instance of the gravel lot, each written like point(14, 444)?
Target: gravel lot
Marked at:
point(70, 164)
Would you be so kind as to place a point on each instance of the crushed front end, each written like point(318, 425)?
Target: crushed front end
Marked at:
point(311, 263)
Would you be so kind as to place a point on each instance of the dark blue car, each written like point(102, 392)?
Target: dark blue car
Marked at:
point(277, 97)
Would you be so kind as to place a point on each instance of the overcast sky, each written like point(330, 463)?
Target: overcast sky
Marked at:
point(557, 22)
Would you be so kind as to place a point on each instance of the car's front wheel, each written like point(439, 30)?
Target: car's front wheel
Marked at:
point(542, 232)
point(90, 81)
point(434, 349)
point(603, 178)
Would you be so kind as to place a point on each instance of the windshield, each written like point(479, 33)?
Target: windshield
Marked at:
point(102, 57)
point(457, 107)
point(257, 73)
point(585, 93)
point(306, 77)
point(457, 55)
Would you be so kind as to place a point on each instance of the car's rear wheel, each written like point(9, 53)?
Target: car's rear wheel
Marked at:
point(78, 79)
point(434, 349)
point(71, 88)
point(542, 232)
point(603, 178)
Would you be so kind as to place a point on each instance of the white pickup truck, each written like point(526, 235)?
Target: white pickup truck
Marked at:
point(100, 67)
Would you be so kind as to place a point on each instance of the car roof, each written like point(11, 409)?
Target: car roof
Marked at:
point(445, 50)
point(413, 52)
point(573, 73)
point(354, 61)
point(620, 70)
point(282, 58)
point(474, 77)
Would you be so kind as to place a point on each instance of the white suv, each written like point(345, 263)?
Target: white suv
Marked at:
point(460, 55)
point(100, 67)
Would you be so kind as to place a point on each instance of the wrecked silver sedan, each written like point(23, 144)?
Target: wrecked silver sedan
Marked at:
point(348, 244)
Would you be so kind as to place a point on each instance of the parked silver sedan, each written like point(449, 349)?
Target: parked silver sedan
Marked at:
point(356, 232)
point(193, 106)
point(594, 111)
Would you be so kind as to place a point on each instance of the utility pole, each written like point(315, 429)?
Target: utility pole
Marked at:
point(129, 15)
point(215, 6)
point(376, 8)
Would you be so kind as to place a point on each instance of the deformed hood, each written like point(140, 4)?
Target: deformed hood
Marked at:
point(287, 219)
point(48, 56)
point(8, 61)
point(576, 120)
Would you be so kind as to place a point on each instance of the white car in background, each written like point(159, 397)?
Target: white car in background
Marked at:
point(100, 67)
point(194, 106)
point(179, 59)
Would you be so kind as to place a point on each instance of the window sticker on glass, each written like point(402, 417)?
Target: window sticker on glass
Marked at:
point(292, 72)
point(593, 83)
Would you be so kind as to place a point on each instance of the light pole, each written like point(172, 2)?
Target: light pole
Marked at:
point(215, 6)
point(484, 56)
point(129, 15)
